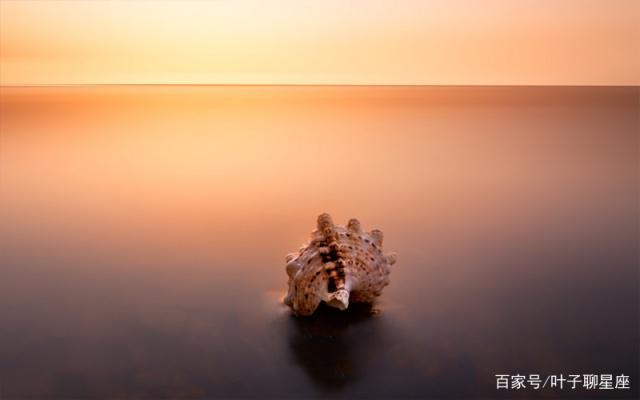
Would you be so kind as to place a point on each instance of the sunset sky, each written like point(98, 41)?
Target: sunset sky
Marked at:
point(528, 42)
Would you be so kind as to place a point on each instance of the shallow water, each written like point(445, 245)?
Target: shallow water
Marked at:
point(143, 231)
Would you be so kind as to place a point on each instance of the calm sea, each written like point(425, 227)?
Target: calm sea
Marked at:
point(143, 231)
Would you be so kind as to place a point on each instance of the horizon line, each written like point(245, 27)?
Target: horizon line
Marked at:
point(307, 85)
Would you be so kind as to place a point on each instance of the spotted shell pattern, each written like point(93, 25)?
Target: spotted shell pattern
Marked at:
point(339, 265)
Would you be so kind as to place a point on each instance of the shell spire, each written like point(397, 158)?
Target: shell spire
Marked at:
point(338, 266)
point(354, 226)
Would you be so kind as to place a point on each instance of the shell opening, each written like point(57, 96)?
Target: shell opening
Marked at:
point(339, 299)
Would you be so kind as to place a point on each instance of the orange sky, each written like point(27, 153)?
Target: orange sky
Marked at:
point(527, 42)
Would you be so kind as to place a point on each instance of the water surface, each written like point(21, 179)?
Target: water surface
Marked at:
point(143, 231)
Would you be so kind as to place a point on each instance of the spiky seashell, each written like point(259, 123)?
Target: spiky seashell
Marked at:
point(339, 265)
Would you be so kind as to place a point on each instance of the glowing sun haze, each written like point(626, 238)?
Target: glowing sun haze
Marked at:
point(528, 42)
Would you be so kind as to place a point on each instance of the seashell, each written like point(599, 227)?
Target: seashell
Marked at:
point(339, 265)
